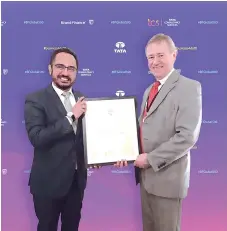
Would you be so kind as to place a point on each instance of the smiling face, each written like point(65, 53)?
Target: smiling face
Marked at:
point(63, 70)
point(161, 58)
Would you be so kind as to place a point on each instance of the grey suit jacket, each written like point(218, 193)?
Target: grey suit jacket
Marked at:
point(169, 131)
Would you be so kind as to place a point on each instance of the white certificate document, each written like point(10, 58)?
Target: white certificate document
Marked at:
point(110, 130)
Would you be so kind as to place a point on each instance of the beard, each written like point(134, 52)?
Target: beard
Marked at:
point(61, 85)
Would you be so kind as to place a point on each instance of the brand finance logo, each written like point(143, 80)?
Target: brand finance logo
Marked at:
point(91, 21)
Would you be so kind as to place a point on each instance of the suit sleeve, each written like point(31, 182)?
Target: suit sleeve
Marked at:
point(41, 134)
point(187, 125)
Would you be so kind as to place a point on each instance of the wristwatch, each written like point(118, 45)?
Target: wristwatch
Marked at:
point(71, 116)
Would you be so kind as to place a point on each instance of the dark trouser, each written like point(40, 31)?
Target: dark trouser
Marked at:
point(160, 213)
point(48, 210)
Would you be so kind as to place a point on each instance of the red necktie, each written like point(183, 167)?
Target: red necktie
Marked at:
point(152, 94)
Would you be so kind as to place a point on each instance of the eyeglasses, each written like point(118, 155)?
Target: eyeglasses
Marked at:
point(62, 67)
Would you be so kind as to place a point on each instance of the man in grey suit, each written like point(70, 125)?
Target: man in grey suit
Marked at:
point(170, 121)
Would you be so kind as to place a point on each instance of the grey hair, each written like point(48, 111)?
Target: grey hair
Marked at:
point(158, 38)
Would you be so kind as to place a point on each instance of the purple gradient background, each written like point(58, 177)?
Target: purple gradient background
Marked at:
point(112, 201)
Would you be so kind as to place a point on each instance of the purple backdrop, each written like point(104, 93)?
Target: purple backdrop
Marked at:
point(30, 31)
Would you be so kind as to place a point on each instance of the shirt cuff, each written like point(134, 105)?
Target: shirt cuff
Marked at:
point(69, 119)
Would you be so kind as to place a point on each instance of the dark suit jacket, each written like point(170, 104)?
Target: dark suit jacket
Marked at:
point(56, 147)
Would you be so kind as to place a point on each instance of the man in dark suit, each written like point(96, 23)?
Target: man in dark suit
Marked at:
point(53, 119)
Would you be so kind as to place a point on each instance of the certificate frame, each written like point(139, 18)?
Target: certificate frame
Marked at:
point(87, 132)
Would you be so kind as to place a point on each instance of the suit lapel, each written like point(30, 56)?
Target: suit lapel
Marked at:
point(166, 88)
point(145, 98)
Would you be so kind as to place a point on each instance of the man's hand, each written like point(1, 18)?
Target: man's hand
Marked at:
point(95, 166)
point(79, 108)
point(121, 163)
point(142, 161)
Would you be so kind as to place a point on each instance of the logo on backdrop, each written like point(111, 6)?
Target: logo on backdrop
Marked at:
point(120, 48)
point(208, 71)
point(187, 48)
point(120, 93)
point(86, 72)
point(34, 22)
point(34, 72)
point(3, 23)
point(27, 171)
point(4, 171)
point(209, 121)
point(154, 22)
point(120, 22)
point(89, 172)
point(208, 22)
point(73, 22)
point(3, 122)
point(119, 72)
point(208, 171)
point(52, 48)
point(5, 71)
point(172, 22)
point(126, 170)
point(179, 71)
point(91, 21)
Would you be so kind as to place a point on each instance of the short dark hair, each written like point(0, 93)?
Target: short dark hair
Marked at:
point(63, 50)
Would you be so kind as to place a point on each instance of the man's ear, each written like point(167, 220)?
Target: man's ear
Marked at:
point(50, 69)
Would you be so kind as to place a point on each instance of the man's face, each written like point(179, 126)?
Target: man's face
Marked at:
point(63, 70)
point(160, 59)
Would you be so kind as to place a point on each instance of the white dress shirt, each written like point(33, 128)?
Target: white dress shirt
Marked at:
point(162, 81)
point(62, 98)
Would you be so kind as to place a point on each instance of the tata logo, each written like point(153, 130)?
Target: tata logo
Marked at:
point(4, 171)
point(3, 122)
point(5, 71)
point(3, 23)
point(120, 93)
point(91, 21)
point(154, 22)
point(120, 47)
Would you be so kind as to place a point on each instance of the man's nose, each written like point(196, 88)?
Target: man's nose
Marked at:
point(65, 71)
point(155, 60)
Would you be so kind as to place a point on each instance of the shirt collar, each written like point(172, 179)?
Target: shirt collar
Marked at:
point(162, 81)
point(59, 91)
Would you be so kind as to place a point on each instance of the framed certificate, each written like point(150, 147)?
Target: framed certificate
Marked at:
point(110, 130)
